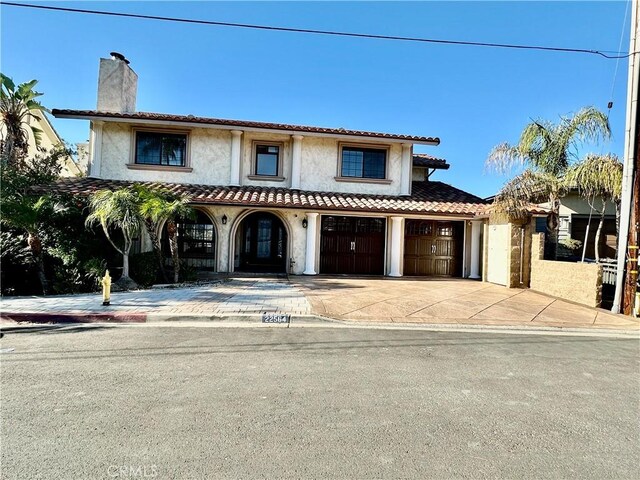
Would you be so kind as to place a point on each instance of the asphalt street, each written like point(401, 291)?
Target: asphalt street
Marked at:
point(168, 402)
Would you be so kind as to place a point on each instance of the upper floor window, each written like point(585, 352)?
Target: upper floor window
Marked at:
point(360, 162)
point(161, 148)
point(268, 160)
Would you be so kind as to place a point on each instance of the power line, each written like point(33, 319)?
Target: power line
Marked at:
point(320, 32)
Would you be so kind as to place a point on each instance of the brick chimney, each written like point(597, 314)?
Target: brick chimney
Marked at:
point(117, 85)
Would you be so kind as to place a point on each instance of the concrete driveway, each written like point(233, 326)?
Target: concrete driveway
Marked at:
point(451, 301)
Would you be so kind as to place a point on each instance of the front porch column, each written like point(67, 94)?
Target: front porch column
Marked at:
point(396, 246)
point(234, 177)
point(95, 146)
point(296, 161)
point(406, 168)
point(310, 255)
point(476, 228)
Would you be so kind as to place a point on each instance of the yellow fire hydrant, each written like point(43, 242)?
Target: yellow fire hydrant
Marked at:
point(106, 289)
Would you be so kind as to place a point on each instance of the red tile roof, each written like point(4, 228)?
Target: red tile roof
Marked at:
point(163, 117)
point(424, 160)
point(435, 198)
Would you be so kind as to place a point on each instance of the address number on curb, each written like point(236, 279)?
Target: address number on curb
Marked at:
point(276, 318)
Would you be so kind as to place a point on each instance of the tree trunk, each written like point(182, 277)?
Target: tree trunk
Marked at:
point(155, 242)
point(553, 228)
point(173, 245)
point(35, 245)
point(125, 264)
point(596, 241)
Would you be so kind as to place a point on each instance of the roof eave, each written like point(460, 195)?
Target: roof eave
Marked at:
point(146, 121)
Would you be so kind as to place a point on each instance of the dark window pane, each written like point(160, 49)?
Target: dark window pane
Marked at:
point(363, 162)
point(154, 148)
point(351, 162)
point(267, 160)
point(264, 238)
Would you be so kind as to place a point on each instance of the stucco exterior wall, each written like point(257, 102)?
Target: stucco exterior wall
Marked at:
point(247, 159)
point(576, 282)
point(209, 155)
point(320, 167)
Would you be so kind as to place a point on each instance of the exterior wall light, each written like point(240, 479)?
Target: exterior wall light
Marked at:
point(304, 223)
point(224, 219)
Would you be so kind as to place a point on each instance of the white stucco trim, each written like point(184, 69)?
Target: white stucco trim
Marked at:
point(406, 169)
point(296, 161)
point(236, 157)
point(476, 230)
point(396, 246)
point(311, 244)
point(95, 149)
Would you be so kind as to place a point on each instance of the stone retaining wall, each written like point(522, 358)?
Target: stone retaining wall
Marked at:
point(576, 282)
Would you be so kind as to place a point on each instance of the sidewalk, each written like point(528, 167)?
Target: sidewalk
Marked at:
point(239, 296)
point(361, 301)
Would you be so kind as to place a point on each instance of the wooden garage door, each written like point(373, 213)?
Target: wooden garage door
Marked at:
point(432, 248)
point(352, 245)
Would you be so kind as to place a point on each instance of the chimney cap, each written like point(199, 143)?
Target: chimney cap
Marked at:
point(119, 56)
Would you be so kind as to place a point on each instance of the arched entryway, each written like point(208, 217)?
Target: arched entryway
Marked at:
point(196, 242)
point(261, 244)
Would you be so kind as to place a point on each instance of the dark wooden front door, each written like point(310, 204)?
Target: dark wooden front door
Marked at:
point(264, 244)
point(432, 248)
point(352, 245)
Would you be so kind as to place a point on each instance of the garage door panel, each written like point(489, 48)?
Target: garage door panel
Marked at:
point(431, 247)
point(356, 247)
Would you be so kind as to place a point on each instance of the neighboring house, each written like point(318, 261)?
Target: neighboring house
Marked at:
point(49, 139)
point(285, 198)
point(575, 214)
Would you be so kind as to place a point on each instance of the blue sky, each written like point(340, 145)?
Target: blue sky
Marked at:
point(472, 98)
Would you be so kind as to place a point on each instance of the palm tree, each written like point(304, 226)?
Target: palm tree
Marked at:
point(150, 203)
point(18, 107)
point(119, 209)
point(29, 214)
point(546, 150)
point(164, 206)
point(597, 176)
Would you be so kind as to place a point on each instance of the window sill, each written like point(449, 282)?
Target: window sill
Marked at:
point(159, 168)
point(267, 178)
point(379, 181)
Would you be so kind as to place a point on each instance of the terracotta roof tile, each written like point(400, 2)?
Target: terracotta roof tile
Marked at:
point(428, 197)
point(163, 117)
point(424, 160)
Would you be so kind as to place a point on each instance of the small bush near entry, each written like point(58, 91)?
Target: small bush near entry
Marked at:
point(144, 268)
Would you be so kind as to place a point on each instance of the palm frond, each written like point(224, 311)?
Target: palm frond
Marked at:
point(597, 175)
point(503, 158)
point(530, 187)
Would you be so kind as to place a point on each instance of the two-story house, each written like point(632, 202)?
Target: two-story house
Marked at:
point(284, 198)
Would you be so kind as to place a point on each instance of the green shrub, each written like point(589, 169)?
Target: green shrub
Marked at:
point(143, 268)
point(188, 273)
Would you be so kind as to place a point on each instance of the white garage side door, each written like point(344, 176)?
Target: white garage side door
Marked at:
point(498, 254)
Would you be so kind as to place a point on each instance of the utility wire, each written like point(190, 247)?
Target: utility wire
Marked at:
point(320, 32)
point(615, 72)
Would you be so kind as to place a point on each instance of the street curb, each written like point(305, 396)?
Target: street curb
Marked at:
point(115, 317)
point(253, 320)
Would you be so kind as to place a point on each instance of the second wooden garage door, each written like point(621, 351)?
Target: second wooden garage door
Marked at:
point(352, 245)
point(432, 248)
